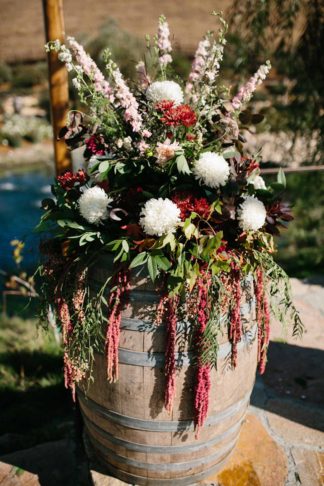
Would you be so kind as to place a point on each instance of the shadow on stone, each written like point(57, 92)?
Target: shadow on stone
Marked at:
point(293, 384)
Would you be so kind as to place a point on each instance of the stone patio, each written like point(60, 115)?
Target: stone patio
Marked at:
point(282, 439)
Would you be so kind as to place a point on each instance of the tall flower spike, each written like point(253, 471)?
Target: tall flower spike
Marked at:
point(124, 97)
point(163, 42)
point(199, 63)
point(90, 68)
point(246, 92)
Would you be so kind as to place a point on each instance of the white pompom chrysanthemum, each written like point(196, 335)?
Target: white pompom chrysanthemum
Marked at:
point(165, 90)
point(211, 169)
point(159, 216)
point(251, 214)
point(93, 205)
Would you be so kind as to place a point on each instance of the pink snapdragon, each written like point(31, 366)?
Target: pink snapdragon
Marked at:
point(245, 92)
point(199, 63)
point(142, 147)
point(90, 68)
point(126, 99)
point(163, 42)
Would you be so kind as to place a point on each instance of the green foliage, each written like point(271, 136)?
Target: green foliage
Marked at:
point(301, 246)
point(28, 75)
point(5, 73)
point(272, 29)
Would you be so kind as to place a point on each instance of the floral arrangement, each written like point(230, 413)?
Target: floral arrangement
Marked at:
point(168, 188)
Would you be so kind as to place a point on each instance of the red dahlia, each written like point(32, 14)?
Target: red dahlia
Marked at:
point(189, 204)
point(174, 116)
point(68, 179)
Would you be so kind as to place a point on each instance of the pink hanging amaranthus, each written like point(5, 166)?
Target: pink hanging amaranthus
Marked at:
point(263, 319)
point(202, 388)
point(235, 330)
point(168, 309)
point(113, 329)
point(71, 373)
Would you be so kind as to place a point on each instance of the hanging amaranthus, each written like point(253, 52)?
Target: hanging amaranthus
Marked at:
point(202, 387)
point(79, 295)
point(170, 362)
point(235, 329)
point(263, 319)
point(114, 320)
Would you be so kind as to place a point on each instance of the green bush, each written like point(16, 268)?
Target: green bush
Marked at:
point(29, 75)
point(5, 72)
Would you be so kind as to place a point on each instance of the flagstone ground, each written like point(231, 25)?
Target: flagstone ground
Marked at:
point(281, 441)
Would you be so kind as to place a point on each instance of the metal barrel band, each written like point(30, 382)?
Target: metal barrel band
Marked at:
point(148, 359)
point(154, 449)
point(163, 467)
point(191, 480)
point(162, 425)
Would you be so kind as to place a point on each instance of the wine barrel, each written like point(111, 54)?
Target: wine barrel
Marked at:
point(127, 425)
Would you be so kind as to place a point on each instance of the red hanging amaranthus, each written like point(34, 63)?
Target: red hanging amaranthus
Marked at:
point(70, 372)
point(170, 304)
point(235, 330)
point(114, 320)
point(202, 388)
point(263, 319)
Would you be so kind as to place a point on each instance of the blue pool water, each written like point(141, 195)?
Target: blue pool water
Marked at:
point(20, 202)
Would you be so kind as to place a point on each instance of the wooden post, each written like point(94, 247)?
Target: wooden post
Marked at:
point(58, 81)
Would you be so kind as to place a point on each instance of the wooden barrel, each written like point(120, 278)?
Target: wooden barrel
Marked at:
point(127, 425)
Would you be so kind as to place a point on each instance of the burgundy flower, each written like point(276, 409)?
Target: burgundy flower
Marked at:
point(95, 146)
point(68, 179)
point(189, 204)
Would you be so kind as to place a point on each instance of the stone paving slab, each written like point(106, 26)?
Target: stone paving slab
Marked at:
point(310, 466)
point(12, 476)
point(296, 424)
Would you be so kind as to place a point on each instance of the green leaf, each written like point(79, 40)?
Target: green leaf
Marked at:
point(230, 153)
point(182, 165)
point(162, 262)
point(125, 246)
point(152, 267)
point(138, 260)
point(281, 178)
point(189, 230)
point(104, 166)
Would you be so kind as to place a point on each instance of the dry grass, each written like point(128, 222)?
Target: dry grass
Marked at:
point(22, 29)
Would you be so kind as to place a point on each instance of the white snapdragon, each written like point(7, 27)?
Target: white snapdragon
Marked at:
point(258, 182)
point(211, 169)
point(165, 90)
point(76, 83)
point(251, 214)
point(93, 205)
point(159, 217)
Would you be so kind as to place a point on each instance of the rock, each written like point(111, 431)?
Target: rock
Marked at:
point(253, 460)
point(310, 466)
point(14, 476)
point(297, 424)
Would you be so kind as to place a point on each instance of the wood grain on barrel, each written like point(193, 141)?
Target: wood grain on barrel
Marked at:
point(126, 422)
